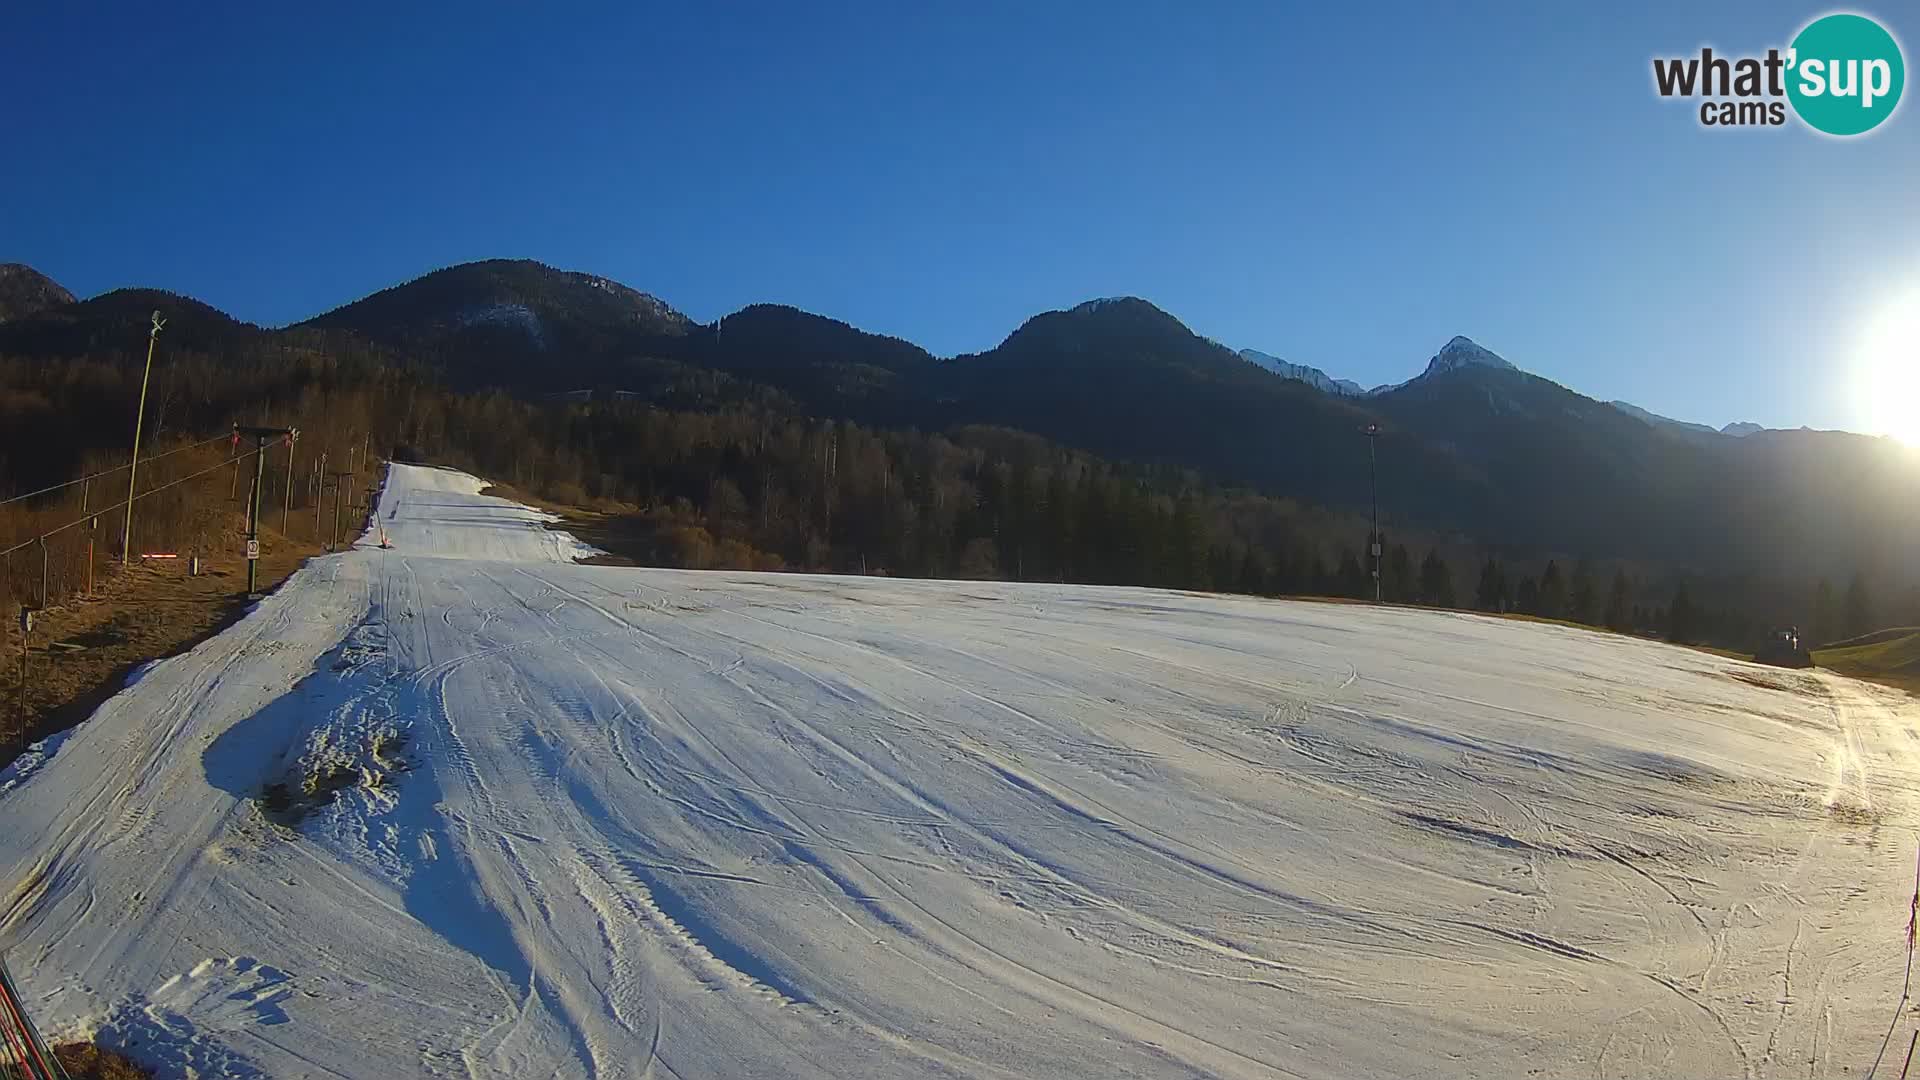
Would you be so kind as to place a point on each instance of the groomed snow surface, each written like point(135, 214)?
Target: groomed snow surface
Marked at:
point(465, 808)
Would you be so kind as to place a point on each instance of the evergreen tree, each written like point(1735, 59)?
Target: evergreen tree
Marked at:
point(1620, 613)
point(1399, 585)
point(1492, 593)
point(1436, 580)
point(1859, 616)
point(1187, 554)
point(1353, 582)
point(1683, 622)
point(1553, 592)
point(1527, 597)
point(1583, 604)
point(1823, 625)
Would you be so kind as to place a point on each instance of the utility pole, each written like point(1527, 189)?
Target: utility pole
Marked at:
point(261, 435)
point(320, 497)
point(85, 490)
point(126, 533)
point(1373, 535)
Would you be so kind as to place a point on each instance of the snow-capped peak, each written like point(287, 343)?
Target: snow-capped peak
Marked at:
point(1461, 352)
point(1465, 352)
point(1312, 376)
point(1738, 429)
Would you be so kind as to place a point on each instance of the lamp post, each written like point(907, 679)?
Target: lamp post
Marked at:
point(126, 532)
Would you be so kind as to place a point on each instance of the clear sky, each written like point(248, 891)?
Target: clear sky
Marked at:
point(1342, 188)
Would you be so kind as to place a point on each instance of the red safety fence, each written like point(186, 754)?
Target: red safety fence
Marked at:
point(24, 1055)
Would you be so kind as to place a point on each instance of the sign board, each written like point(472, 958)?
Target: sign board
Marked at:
point(253, 548)
point(26, 619)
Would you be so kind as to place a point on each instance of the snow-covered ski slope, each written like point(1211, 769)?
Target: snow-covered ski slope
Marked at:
point(592, 821)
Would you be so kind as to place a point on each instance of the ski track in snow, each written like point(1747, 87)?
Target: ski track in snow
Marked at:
point(610, 822)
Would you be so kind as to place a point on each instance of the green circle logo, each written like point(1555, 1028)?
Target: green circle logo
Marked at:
point(1845, 74)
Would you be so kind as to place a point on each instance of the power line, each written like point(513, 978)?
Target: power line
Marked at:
point(110, 472)
point(91, 514)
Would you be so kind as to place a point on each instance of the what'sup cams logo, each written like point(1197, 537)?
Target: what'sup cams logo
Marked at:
point(1842, 76)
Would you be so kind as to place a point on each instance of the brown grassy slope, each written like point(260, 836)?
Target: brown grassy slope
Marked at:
point(82, 651)
point(1893, 660)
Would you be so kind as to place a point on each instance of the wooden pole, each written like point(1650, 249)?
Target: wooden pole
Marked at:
point(286, 513)
point(26, 624)
point(340, 495)
point(319, 497)
point(83, 510)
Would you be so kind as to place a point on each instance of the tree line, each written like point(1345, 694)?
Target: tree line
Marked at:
point(753, 483)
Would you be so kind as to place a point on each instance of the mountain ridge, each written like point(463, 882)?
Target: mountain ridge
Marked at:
point(25, 291)
point(507, 313)
point(1471, 445)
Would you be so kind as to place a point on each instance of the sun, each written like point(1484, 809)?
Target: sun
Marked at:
point(1889, 380)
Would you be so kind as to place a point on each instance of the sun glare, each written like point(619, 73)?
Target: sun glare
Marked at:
point(1889, 381)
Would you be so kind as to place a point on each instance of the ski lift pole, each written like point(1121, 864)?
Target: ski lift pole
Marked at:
point(261, 435)
point(286, 512)
point(139, 418)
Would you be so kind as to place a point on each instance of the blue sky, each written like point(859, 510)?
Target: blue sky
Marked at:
point(1342, 189)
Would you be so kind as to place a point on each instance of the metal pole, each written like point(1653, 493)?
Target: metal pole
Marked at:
point(1373, 480)
point(253, 514)
point(43, 573)
point(126, 533)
